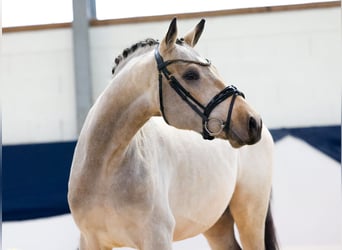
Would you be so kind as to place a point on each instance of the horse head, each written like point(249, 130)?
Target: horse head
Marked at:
point(193, 96)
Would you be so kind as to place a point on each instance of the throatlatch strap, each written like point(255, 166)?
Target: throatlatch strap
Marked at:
point(161, 102)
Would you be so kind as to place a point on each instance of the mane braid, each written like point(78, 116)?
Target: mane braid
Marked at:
point(128, 51)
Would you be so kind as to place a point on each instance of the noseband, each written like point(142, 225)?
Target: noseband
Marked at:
point(201, 110)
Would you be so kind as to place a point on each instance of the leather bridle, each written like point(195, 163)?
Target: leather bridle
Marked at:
point(201, 110)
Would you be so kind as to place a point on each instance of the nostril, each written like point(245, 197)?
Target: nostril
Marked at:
point(253, 125)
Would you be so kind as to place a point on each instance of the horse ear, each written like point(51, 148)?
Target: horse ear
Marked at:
point(171, 36)
point(192, 37)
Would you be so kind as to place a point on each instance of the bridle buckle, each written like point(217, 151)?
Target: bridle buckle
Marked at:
point(211, 123)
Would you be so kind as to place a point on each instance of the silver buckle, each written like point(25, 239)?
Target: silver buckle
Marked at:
point(214, 126)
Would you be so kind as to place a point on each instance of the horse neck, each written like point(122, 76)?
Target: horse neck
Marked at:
point(126, 104)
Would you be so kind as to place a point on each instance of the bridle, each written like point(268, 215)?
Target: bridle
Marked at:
point(201, 110)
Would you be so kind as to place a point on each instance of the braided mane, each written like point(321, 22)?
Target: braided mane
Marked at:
point(128, 51)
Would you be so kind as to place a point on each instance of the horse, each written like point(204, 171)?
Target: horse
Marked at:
point(140, 181)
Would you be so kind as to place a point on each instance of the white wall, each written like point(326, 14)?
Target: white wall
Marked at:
point(287, 63)
point(37, 81)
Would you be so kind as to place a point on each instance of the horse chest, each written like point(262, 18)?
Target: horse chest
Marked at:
point(199, 199)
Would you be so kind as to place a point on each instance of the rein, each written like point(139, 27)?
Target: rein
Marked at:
point(201, 110)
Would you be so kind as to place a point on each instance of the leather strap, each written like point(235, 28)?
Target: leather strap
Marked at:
point(200, 109)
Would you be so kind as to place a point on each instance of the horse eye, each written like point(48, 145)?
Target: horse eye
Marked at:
point(191, 75)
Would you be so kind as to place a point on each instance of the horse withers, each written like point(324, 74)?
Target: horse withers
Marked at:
point(142, 182)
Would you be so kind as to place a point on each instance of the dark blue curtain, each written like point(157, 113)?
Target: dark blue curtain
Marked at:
point(35, 180)
point(35, 176)
point(326, 139)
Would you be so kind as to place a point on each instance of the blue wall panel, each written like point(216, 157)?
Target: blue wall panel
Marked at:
point(35, 176)
point(35, 180)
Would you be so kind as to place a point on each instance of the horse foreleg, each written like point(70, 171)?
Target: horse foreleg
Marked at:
point(157, 233)
point(249, 213)
point(160, 239)
point(90, 244)
point(221, 235)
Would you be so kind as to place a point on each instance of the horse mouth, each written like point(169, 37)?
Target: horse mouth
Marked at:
point(237, 140)
point(234, 139)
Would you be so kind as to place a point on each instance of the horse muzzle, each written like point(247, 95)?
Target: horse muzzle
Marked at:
point(248, 134)
point(254, 130)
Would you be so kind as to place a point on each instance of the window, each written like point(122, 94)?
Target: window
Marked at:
point(109, 9)
point(30, 12)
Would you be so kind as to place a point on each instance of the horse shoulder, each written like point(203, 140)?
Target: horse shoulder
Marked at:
point(256, 164)
point(260, 153)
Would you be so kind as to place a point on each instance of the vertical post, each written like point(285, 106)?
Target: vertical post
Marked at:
point(92, 9)
point(82, 12)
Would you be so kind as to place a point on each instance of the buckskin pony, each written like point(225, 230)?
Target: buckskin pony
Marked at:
point(144, 182)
